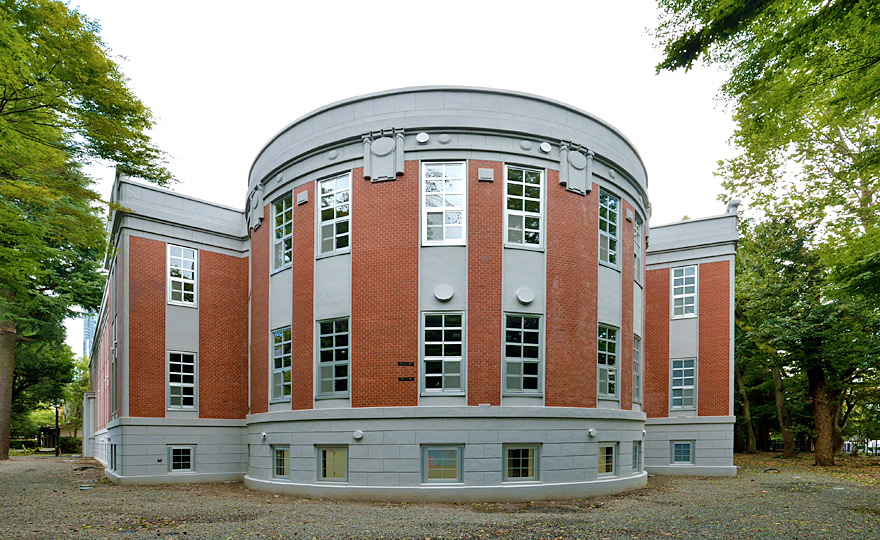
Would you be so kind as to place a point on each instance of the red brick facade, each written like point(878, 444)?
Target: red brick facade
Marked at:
point(384, 286)
point(627, 246)
point(655, 402)
point(715, 334)
point(485, 251)
point(572, 296)
point(146, 327)
point(223, 330)
point(302, 330)
point(260, 315)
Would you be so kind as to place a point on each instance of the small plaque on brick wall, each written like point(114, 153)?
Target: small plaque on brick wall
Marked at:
point(406, 363)
point(406, 379)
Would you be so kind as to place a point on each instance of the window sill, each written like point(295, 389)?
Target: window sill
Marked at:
point(280, 400)
point(522, 394)
point(524, 247)
point(333, 482)
point(519, 482)
point(612, 266)
point(456, 393)
point(182, 409)
point(319, 256)
point(443, 244)
point(333, 396)
point(608, 397)
point(676, 317)
point(282, 269)
point(183, 304)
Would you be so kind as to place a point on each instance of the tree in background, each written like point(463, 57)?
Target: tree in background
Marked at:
point(74, 393)
point(63, 101)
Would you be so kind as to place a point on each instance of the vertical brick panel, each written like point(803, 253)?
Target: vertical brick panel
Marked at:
point(656, 344)
point(713, 373)
point(259, 354)
point(627, 245)
point(223, 353)
point(146, 329)
point(384, 283)
point(572, 250)
point(302, 331)
point(484, 314)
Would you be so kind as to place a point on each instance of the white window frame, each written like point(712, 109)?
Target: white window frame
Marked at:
point(638, 248)
point(341, 198)
point(680, 288)
point(113, 460)
point(278, 353)
point(459, 463)
point(637, 369)
point(608, 359)
point(319, 466)
point(282, 232)
point(448, 362)
point(678, 379)
point(523, 213)
point(337, 346)
point(535, 458)
point(609, 229)
point(193, 386)
point(602, 459)
point(522, 360)
point(445, 209)
point(637, 457)
point(285, 461)
point(673, 454)
point(181, 270)
point(192, 458)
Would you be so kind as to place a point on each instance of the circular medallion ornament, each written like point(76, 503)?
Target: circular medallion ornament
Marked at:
point(332, 154)
point(525, 145)
point(577, 160)
point(444, 139)
point(545, 147)
point(382, 146)
point(443, 292)
point(423, 138)
point(525, 295)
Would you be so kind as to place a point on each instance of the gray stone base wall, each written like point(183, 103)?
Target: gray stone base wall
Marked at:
point(711, 443)
point(385, 451)
point(218, 450)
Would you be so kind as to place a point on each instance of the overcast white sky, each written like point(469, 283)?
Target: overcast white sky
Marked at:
point(223, 77)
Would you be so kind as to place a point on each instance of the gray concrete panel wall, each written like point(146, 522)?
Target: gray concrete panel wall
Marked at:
point(638, 310)
point(443, 265)
point(524, 268)
point(610, 296)
point(181, 328)
point(712, 438)
point(280, 298)
point(683, 338)
point(333, 286)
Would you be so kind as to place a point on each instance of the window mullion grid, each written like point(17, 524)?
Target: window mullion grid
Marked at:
point(283, 232)
point(524, 206)
point(522, 353)
point(333, 357)
point(335, 211)
point(443, 335)
point(181, 381)
point(281, 366)
point(684, 291)
point(607, 347)
point(683, 378)
point(608, 216)
point(443, 197)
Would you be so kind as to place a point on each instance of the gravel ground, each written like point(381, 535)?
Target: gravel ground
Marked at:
point(40, 498)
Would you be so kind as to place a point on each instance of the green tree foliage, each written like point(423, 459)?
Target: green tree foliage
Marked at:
point(74, 392)
point(63, 102)
point(43, 373)
point(804, 88)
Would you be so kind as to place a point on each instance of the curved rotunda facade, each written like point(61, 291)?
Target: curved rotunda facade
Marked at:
point(433, 294)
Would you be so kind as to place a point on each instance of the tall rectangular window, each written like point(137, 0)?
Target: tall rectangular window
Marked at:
point(607, 459)
point(638, 248)
point(444, 211)
point(441, 464)
point(684, 291)
point(609, 208)
point(283, 232)
point(607, 345)
point(683, 377)
point(182, 264)
point(522, 353)
point(637, 368)
point(637, 457)
point(444, 346)
point(523, 211)
point(334, 219)
point(281, 461)
point(333, 359)
point(281, 362)
point(333, 463)
point(520, 462)
point(181, 380)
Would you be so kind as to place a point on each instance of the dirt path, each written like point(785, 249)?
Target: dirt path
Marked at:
point(40, 498)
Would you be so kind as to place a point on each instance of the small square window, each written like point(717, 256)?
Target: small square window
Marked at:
point(333, 463)
point(607, 459)
point(682, 452)
point(441, 464)
point(281, 461)
point(181, 458)
point(521, 463)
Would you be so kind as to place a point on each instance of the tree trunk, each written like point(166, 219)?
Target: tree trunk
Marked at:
point(7, 364)
point(789, 449)
point(751, 442)
point(824, 424)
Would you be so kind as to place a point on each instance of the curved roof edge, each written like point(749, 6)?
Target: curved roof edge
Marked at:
point(452, 88)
